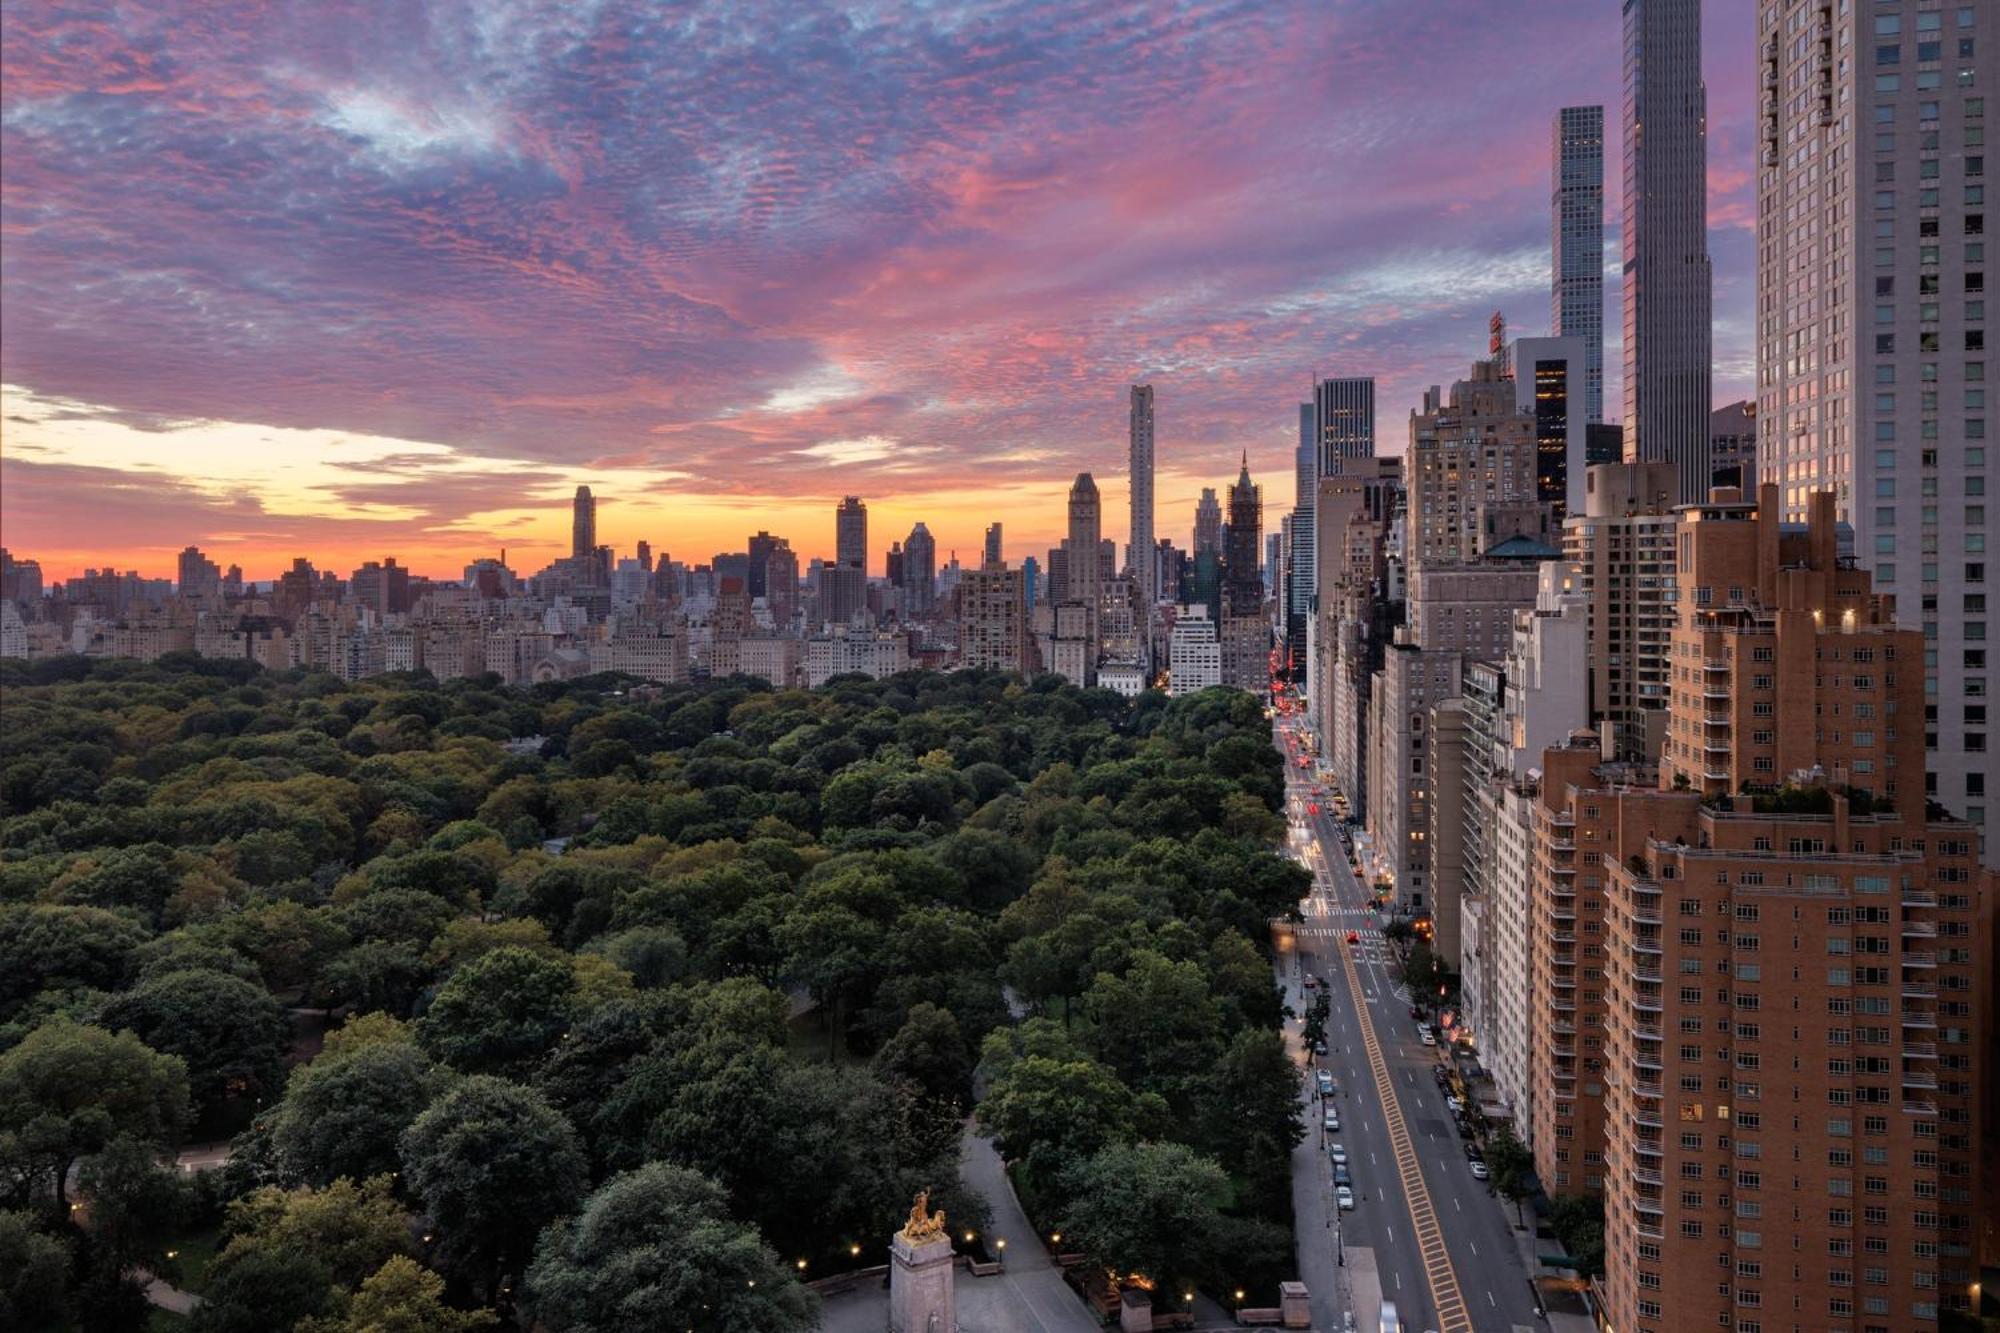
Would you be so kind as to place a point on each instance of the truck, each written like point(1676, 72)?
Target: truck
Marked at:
point(1389, 1321)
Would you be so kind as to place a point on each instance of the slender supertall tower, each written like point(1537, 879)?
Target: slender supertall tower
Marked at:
point(850, 533)
point(1144, 566)
point(1667, 288)
point(583, 525)
point(1576, 235)
point(1084, 584)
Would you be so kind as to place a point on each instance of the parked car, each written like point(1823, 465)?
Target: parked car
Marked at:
point(1333, 1122)
point(1479, 1171)
point(1340, 1175)
point(1345, 1197)
point(1472, 1153)
point(1424, 1036)
point(1338, 1152)
point(1325, 1082)
point(1452, 1101)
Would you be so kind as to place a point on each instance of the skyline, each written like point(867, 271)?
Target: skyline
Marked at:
point(505, 286)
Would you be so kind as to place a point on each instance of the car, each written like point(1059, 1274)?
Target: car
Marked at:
point(1345, 1197)
point(1340, 1175)
point(1453, 1101)
point(1464, 1128)
point(1325, 1080)
point(1472, 1153)
point(1353, 937)
point(1332, 1122)
point(1319, 1048)
point(1311, 982)
point(1424, 1036)
point(1479, 1171)
point(1338, 1152)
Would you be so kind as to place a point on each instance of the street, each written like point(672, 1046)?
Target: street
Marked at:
point(1442, 1245)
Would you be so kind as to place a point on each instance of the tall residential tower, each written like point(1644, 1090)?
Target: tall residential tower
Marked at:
point(1576, 233)
point(1667, 292)
point(1140, 545)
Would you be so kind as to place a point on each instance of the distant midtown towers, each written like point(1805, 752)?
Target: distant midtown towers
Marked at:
point(1668, 292)
point(1140, 544)
point(991, 554)
point(1208, 523)
point(1344, 421)
point(1576, 232)
point(583, 525)
point(850, 533)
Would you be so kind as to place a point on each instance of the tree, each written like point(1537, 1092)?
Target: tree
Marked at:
point(47, 947)
point(492, 1164)
point(1578, 1220)
point(1512, 1166)
point(1149, 1208)
point(343, 1114)
point(656, 1248)
point(349, 1229)
point(68, 1090)
point(929, 1052)
point(1253, 1121)
point(402, 1296)
point(135, 1203)
point(34, 1274)
point(1048, 1113)
point(232, 1033)
point(500, 1012)
point(263, 1288)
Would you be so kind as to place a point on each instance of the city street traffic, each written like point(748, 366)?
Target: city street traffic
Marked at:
point(1443, 1248)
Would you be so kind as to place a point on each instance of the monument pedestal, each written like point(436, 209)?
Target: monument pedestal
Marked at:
point(920, 1277)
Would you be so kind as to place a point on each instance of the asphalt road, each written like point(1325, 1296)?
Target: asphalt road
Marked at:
point(1438, 1237)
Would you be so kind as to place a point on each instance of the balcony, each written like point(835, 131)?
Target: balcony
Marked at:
point(1647, 944)
point(1920, 1050)
point(1651, 1207)
point(1917, 1018)
point(1562, 1027)
point(1563, 983)
point(1920, 990)
point(1649, 1004)
point(1919, 898)
point(1920, 930)
point(1920, 1106)
point(1647, 972)
point(1649, 1230)
point(1642, 1088)
point(1645, 1175)
point(1641, 1061)
point(1919, 958)
point(1647, 1031)
point(1920, 1078)
point(1646, 916)
point(1716, 665)
point(1648, 1147)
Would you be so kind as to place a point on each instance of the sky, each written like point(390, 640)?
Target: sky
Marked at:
point(349, 279)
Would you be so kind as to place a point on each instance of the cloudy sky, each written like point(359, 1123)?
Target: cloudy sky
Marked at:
point(348, 279)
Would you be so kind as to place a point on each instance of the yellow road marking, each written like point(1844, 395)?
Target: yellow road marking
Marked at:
point(1445, 1294)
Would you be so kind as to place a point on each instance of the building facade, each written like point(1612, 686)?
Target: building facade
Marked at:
point(1576, 242)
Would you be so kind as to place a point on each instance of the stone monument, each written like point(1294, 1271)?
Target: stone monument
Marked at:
point(920, 1273)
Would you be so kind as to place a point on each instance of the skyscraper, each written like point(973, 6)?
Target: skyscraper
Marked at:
point(1301, 565)
point(1245, 633)
point(1141, 540)
point(1667, 288)
point(991, 555)
point(850, 533)
point(1872, 372)
point(1576, 235)
point(1344, 420)
point(919, 570)
point(1549, 379)
point(1083, 582)
point(583, 525)
point(1207, 523)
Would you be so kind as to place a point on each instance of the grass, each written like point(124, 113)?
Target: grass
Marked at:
point(166, 1321)
point(194, 1252)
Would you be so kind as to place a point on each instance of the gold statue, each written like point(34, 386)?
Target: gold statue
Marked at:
point(923, 1224)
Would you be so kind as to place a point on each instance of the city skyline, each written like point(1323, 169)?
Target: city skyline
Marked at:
point(449, 300)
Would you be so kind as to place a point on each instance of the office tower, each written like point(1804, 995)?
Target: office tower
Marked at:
point(1667, 287)
point(1343, 420)
point(991, 554)
point(645, 552)
point(1732, 446)
point(1471, 456)
point(1083, 575)
point(1207, 523)
point(757, 568)
point(1302, 567)
point(1622, 543)
point(199, 576)
point(850, 533)
point(780, 576)
point(1245, 633)
point(1141, 540)
point(1793, 945)
point(1355, 613)
point(919, 570)
point(583, 526)
point(1549, 378)
point(1194, 653)
point(1031, 581)
point(1873, 374)
point(1576, 236)
point(892, 564)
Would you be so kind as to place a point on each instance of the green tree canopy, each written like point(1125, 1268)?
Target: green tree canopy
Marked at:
point(68, 1090)
point(657, 1248)
point(231, 1033)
